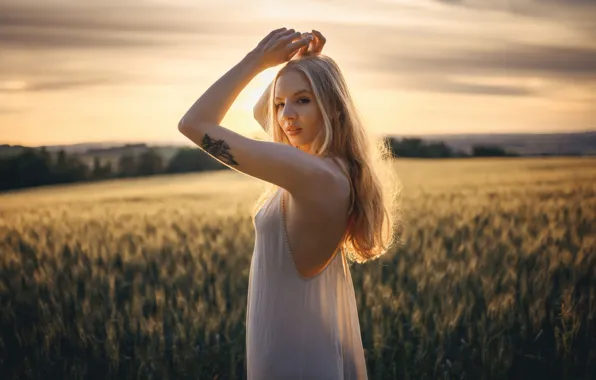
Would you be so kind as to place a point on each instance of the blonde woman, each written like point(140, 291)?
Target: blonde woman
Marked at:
point(331, 201)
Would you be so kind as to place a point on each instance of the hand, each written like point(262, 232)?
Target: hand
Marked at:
point(314, 47)
point(279, 46)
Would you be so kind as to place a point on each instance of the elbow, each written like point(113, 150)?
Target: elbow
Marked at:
point(186, 130)
point(181, 124)
point(256, 113)
point(184, 127)
point(181, 127)
point(194, 131)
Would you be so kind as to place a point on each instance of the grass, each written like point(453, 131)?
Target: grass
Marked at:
point(147, 278)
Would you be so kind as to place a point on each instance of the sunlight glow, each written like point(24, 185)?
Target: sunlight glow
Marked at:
point(13, 85)
point(252, 92)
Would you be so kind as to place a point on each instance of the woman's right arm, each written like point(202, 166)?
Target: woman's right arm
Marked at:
point(260, 109)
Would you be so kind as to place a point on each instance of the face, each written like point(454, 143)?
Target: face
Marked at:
point(296, 110)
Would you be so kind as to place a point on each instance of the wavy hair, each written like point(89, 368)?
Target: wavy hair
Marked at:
point(375, 221)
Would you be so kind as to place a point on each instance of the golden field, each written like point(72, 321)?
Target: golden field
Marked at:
point(147, 278)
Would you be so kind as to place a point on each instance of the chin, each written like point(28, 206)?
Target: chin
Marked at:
point(298, 141)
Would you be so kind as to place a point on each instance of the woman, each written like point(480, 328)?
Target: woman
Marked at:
point(328, 204)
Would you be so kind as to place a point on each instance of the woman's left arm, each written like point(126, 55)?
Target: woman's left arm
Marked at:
point(299, 172)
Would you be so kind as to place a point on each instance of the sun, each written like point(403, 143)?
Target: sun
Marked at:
point(251, 94)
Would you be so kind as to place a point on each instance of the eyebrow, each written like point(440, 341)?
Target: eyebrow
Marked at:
point(296, 93)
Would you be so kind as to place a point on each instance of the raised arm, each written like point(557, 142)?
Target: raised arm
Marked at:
point(313, 48)
point(302, 174)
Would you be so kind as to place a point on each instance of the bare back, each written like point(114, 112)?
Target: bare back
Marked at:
point(324, 225)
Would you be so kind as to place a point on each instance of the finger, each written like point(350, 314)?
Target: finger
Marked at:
point(296, 54)
point(271, 34)
point(312, 47)
point(286, 33)
point(299, 53)
point(277, 30)
point(299, 44)
point(303, 35)
point(319, 36)
point(285, 39)
point(320, 41)
point(304, 49)
point(299, 37)
point(279, 37)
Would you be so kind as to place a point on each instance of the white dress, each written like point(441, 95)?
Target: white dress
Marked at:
point(298, 328)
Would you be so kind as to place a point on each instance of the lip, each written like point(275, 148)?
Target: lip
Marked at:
point(293, 131)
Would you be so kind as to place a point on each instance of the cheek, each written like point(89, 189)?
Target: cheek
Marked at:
point(279, 118)
point(312, 114)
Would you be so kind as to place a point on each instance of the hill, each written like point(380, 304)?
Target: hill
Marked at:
point(525, 144)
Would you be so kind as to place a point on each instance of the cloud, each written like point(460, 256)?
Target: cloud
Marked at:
point(428, 59)
point(575, 14)
point(514, 5)
point(446, 85)
point(60, 39)
point(125, 25)
point(512, 60)
point(427, 46)
point(548, 68)
point(64, 45)
point(55, 84)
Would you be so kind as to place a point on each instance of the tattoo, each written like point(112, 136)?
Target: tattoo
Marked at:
point(218, 149)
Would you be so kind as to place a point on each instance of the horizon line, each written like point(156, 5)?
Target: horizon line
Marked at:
point(149, 142)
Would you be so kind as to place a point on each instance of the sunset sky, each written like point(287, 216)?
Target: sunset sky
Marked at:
point(81, 71)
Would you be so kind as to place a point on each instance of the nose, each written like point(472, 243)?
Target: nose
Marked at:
point(288, 112)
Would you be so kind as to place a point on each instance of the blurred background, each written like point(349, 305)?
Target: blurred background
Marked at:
point(125, 250)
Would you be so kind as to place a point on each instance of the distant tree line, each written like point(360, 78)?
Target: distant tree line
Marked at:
point(417, 148)
point(37, 167)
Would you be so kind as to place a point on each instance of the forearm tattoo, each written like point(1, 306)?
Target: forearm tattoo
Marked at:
point(218, 149)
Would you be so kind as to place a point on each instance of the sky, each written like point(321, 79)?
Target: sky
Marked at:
point(76, 71)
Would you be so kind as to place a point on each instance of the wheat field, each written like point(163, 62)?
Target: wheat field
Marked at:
point(147, 278)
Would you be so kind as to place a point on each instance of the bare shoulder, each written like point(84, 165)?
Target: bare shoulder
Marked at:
point(325, 197)
point(340, 193)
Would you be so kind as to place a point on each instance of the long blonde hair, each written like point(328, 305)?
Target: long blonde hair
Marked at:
point(376, 190)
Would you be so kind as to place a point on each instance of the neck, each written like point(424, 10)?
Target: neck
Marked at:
point(305, 148)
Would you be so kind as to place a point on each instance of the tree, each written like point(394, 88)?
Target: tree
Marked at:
point(29, 168)
point(96, 172)
point(192, 160)
point(438, 150)
point(415, 147)
point(150, 162)
point(45, 155)
point(68, 169)
point(101, 171)
point(127, 166)
point(488, 151)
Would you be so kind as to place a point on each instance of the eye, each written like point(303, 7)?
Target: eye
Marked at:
point(301, 100)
